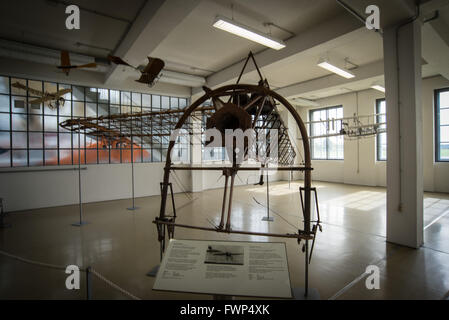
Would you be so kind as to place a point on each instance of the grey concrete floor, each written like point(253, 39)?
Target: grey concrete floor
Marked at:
point(122, 245)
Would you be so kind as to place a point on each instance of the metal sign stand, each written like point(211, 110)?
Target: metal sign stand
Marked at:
point(268, 218)
point(81, 222)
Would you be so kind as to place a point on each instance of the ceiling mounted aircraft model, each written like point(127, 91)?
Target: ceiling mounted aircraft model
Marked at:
point(54, 99)
point(151, 73)
point(66, 66)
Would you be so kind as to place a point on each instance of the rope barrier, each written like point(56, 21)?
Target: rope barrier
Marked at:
point(113, 285)
point(63, 268)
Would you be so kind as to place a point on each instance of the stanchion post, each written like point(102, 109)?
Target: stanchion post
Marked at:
point(133, 208)
point(81, 222)
point(268, 218)
point(89, 283)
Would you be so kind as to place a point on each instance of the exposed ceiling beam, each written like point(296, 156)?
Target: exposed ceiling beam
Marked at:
point(300, 43)
point(363, 73)
point(153, 24)
point(435, 50)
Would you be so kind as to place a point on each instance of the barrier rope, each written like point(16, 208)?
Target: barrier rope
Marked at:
point(63, 268)
point(113, 285)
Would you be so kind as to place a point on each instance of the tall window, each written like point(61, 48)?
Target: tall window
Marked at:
point(330, 147)
point(442, 125)
point(31, 135)
point(381, 139)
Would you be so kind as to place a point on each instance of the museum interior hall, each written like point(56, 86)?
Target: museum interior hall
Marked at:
point(224, 149)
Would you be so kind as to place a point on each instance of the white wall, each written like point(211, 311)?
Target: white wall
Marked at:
point(360, 166)
point(31, 190)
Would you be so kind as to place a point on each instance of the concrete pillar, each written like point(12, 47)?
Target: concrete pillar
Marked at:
point(402, 56)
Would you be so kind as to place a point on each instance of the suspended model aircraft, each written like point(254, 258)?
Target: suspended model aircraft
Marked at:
point(151, 73)
point(350, 127)
point(66, 66)
point(54, 99)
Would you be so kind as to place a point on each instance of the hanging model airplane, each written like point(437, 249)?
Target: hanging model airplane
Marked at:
point(66, 66)
point(151, 73)
point(54, 99)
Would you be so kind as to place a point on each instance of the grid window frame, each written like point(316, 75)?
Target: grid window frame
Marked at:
point(438, 125)
point(379, 145)
point(327, 139)
point(53, 146)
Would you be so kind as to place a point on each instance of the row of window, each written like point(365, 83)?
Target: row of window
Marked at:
point(30, 134)
point(332, 147)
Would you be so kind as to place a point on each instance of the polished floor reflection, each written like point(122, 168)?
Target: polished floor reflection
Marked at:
point(122, 245)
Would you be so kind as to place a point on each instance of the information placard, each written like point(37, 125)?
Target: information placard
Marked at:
point(252, 269)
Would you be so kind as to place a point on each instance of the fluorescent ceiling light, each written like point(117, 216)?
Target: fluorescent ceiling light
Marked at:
point(247, 33)
point(378, 87)
point(326, 65)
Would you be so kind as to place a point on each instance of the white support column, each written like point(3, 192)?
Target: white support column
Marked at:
point(403, 78)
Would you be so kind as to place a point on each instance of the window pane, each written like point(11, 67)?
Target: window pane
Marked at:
point(19, 158)
point(146, 100)
point(4, 85)
point(51, 157)
point(444, 151)
point(444, 99)
point(4, 103)
point(18, 91)
point(19, 105)
point(5, 142)
point(5, 121)
point(65, 157)
point(36, 140)
point(19, 140)
point(114, 96)
point(36, 157)
point(156, 102)
point(65, 140)
point(91, 109)
point(50, 141)
point(78, 109)
point(5, 158)
point(126, 99)
point(444, 134)
point(444, 117)
point(78, 93)
point(51, 123)
point(19, 122)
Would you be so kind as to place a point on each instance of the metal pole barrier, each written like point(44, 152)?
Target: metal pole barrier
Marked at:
point(268, 218)
point(88, 284)
point(133, 208)
point(81, 222)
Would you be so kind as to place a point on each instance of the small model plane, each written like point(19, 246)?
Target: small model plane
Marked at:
point(54, 99)
point(227, 254)
point(66, 66)
point(150, 73)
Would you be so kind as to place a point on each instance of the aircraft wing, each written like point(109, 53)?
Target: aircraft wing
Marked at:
point(89, 65)
point(21, 86)
point(60, 93)
point(40, 100)
point(154, 66)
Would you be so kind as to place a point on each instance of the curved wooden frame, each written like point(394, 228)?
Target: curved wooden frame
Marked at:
point(164, 222)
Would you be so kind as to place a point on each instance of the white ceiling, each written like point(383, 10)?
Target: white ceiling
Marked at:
point(42, 23)
point(196, 47)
